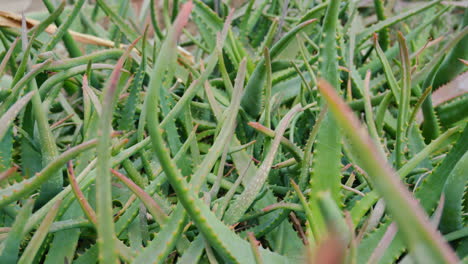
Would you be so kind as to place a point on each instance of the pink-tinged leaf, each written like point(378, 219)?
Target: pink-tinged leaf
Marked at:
point(435, 219)
point(383, 244)
point(451, 90)
point(36, 241)
point(115, 76)
point(88, 210)
point(330, 250)
point(182, 18)
point(425, 242)
point(254, 243)
point(106, 240)
point(4, 175)
point(222, 35)
point(154, 208)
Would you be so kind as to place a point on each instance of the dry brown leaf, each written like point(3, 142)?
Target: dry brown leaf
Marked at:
point(12, 20)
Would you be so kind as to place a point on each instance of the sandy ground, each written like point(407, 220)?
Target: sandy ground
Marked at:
point(19, 5)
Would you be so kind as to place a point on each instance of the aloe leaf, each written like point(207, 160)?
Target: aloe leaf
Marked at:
point(440, 142)
point(89, 256)
point(129, 214)
point(54, 15)
point(63, 28)
point(154, 20)
point(26, 48)
point(368, 110)
point(243, 202)
point(97, 56)
point(49, 149)
point(12, 112)
point(223, 191)
point(425, 242)
point(70, 43)
point(384, 243)
point(105, 222)
point(11, 245)
point(50, 83)
point(420, 101)
point(295, 150)
point(454, 191)
point(326, 174)
point(7, 56)
point(333, 217)
point(367, 33)
point(451, 66)
point(375, 65)
point(310, 227)
point(85, 206)
point(394, 87)
point(119, 21)
point(164, 242)
point(236, 250)
point(254, 246)
point(381, 112)
point(149, 202)
point(40, 234)
point(65, 242)
point(362, 206)
point(253, 90)
point(194, 252)
point(18, 190)
point(437, 58)
point(128, 111)
point(86, 177)
point(403, 110)
point(209, 23)
point(431, 127)
point(384, 33)
point(453, 112)
point(434, 183)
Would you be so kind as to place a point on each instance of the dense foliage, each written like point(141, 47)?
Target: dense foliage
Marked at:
point(273, 132)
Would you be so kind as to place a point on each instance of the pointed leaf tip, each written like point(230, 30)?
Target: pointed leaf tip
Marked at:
point(182, 18)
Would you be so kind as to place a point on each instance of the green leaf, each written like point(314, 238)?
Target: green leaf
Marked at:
point(426, 243)
point(11, 246)
point(39, 236)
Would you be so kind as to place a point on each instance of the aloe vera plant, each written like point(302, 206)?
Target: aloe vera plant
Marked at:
point(234, 132)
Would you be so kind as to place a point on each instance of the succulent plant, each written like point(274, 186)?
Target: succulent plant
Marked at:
point(273, 132)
